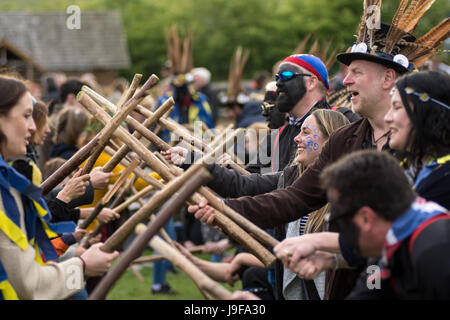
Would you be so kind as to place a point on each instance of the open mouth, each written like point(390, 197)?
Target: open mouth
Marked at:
point(354, 94)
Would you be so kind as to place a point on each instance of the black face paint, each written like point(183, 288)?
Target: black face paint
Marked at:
point(289, 92)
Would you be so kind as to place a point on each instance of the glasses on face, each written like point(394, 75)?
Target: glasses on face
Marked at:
point(288, 75)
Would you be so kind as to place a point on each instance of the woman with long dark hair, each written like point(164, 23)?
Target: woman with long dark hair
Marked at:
point(419, 122)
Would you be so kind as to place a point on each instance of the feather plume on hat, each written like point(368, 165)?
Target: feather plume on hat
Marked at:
point(237, 65)
point(395, 45)
point(179, 50)
point(321, 52)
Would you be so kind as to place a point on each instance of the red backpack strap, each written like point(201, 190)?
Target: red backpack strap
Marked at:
point(423, 226)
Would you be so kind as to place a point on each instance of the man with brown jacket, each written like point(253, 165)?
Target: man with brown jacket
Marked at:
point(370, 79)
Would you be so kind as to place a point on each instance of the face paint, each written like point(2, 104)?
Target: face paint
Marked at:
point(289, 92)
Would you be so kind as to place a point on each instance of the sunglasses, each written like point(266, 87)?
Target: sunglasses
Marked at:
point(288, 75)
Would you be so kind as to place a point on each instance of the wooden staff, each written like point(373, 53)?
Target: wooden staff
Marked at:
point(159, 128)
point(224, 222)
point(122, 206)
point(168, 123)
point(69, 166)
point(130, 91)
point(214, 201)
point(136, 273)
point(168, 105)
point(117, 200)
point(117, 120)
point(105, 200)
point(139, 172)
point(141, 242)
point(82, 154)
point(144, 212)
point(180, 131)
point(203, 282)
point(157, 257)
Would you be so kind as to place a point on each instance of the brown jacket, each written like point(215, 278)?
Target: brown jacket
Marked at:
point(304, 195)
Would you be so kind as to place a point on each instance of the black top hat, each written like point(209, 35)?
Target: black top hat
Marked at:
point(394, 46)
point(375, 54)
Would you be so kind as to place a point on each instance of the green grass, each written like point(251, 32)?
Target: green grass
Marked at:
point(128, 287)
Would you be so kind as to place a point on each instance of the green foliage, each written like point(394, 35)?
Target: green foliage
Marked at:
point(271, 29)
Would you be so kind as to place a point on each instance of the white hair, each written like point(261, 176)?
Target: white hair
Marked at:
point(203, 73)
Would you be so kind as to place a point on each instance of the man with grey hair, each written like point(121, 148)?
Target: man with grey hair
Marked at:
point(202, 83)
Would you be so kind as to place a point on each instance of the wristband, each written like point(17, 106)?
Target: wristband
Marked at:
point(84, 265)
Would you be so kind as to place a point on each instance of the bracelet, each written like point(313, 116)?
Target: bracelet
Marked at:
point(84, 265)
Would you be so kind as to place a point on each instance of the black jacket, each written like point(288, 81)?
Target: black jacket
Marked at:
point(422, 274)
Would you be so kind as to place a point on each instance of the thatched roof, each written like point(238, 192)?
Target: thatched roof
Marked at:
point(100, 42)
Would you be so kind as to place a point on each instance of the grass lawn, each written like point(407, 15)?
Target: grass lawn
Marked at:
point(128, 287)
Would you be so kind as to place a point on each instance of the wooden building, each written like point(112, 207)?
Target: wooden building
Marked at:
point(34, 43)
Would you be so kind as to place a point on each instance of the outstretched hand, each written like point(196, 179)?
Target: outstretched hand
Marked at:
point(175, 155)
point(74, 188)
point(203, 212)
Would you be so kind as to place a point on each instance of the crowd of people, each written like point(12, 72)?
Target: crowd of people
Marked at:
point(355, 191)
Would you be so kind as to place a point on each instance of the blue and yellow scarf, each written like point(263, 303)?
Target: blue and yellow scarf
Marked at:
point(39, 229)
point(403, 227)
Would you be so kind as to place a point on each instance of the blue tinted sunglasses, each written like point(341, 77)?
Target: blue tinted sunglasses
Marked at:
point(288, 75)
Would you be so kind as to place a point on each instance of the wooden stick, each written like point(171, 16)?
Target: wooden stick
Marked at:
point(132, 199)
point(117, 120)
point(144, 212)
point(224, 222)
point(167, 123)
point(137, 273)
point(130, 91)
point(139, 172)
point(226, 217)
point(141, 242)
point(69, 166)
point(200, 279)
point(114, 203)
point(168, 105)
point(103, 202)
point(163, 232)
point(157, 257)
point(214, 201)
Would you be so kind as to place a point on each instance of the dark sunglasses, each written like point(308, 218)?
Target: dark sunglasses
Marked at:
point(288, 75)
